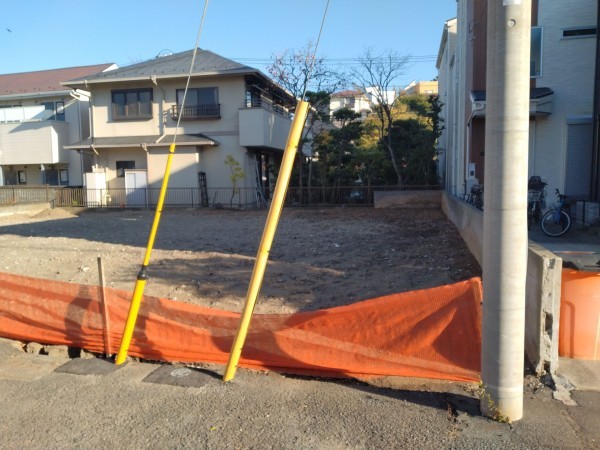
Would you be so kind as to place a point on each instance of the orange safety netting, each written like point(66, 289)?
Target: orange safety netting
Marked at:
point(432, 333)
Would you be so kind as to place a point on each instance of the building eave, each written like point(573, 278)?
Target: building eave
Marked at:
point(29, 95)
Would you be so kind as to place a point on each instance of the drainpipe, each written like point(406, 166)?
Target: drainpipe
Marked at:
point(505, 211)
point(162, 125)
point(80, 95)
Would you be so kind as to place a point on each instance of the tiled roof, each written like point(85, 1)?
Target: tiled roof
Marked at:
point(175, 65)
point(346, 94)
point(44, 80)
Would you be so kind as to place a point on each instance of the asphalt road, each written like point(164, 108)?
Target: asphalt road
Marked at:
point(46, 404)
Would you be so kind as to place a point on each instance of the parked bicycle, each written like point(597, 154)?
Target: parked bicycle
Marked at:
point(557, 221)
point(475, 197)
point(536, 196)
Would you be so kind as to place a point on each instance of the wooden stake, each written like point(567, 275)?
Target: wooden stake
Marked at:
point(104, 305)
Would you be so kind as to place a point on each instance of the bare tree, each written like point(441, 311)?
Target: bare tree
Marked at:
point(303, 74)
point(292, 69)
point(374, 76)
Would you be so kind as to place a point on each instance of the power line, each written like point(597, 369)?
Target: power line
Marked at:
point(345, 61)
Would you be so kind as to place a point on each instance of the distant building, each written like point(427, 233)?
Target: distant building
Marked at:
point(359, 102)
point(354, 100)
point(388, 96)
point(421, 87)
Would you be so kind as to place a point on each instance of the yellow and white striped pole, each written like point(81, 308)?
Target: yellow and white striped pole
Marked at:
point(267, 238)
point(142, 277)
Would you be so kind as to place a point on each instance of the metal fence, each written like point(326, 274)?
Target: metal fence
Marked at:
point(192, 197)
point(13, 195)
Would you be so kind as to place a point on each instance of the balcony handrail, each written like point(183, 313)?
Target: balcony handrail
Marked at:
point(266, 105)
point(209, 111)
point(18, 114)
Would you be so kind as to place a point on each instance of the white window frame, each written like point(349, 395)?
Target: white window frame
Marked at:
point(541, 72)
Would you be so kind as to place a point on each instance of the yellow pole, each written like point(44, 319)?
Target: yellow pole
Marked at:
point(142, 277)
point(267, 238)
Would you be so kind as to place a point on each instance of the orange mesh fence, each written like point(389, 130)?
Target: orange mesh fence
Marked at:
point(433, 333)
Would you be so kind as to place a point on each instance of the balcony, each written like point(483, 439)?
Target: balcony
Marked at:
point(264, 125)
point(33, 142)
point(540, 102)
point(196, 112)
point(19, 114)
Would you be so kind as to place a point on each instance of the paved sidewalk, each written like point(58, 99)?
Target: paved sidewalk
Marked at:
point(45, 404)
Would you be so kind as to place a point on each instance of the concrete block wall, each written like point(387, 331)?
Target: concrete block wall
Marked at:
point(544, 272)
point(542, 309)
point(468, 220)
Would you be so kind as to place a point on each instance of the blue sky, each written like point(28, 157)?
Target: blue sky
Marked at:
point(65, 33)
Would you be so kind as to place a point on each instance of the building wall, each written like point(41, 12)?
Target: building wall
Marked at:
point(40, 142)
point(189, 160)
point(462, 114)
point(231, 97)
point(476, 80)
point(107, 162)
point(184, 167)
point(568, 69)
point(447, 86)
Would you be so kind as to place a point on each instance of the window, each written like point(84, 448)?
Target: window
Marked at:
point(199, 103)
point(579, 32)
point(536, 52)
point(22, 176)
point(54, 110)
point(64, 176)
point(132, 104)
point(124, 165)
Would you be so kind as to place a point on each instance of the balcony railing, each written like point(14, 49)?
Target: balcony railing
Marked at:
point(268, 105)
point(27, 114)
point(196, 112)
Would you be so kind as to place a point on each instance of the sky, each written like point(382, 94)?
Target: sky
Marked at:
point(41, 35)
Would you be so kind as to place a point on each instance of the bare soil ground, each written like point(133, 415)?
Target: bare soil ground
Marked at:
point(321, 258)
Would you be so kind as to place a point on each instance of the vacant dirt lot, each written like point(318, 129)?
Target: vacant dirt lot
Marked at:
point(321, 257)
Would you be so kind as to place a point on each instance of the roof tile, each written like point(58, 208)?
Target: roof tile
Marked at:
point(45, 80)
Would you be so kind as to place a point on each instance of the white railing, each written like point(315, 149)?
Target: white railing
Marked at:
point(25, 114)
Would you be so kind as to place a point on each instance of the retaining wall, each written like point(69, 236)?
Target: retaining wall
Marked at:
point(544, 272)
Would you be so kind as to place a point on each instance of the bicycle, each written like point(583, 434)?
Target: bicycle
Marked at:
point(557, 221)
point(536, 198)
point(476, 196)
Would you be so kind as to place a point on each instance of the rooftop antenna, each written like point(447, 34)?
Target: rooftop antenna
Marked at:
point(164, 52)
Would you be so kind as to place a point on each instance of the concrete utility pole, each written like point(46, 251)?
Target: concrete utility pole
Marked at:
point(505, 207)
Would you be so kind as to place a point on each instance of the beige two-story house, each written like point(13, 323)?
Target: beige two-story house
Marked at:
point(229, 110)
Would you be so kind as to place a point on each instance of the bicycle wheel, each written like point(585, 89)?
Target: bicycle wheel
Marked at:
point(555, 223)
